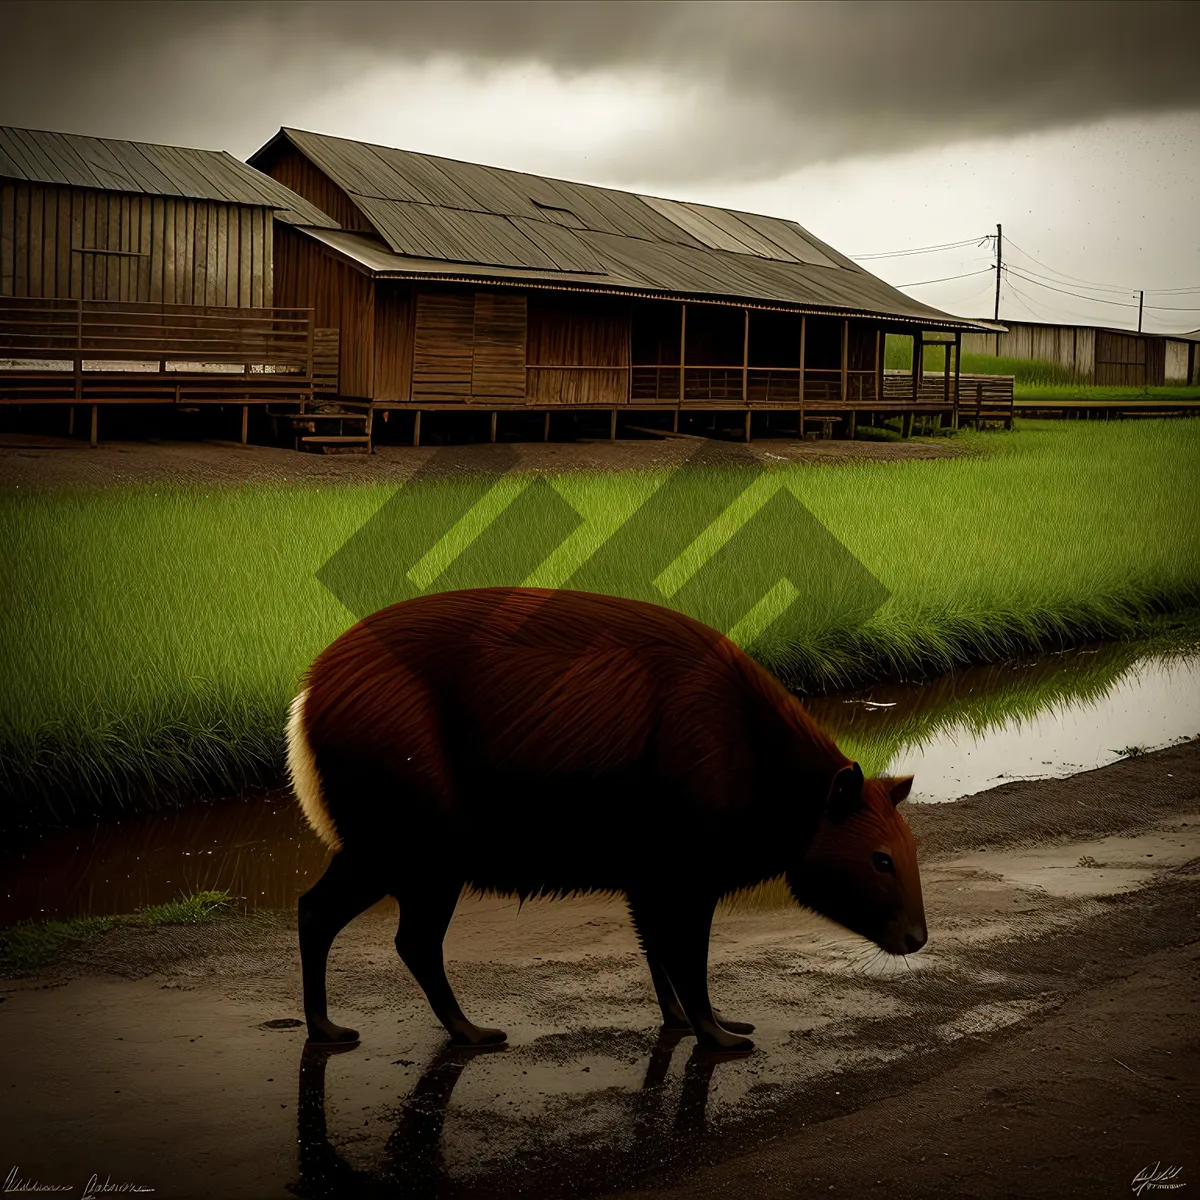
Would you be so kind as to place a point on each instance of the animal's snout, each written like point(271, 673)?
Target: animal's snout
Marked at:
point(915, 938)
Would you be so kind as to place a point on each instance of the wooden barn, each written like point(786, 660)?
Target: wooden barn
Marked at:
point(458, 286)
point(136, 273)
point(1095, 353)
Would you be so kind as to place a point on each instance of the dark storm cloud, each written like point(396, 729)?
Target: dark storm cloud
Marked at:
point(763, 87)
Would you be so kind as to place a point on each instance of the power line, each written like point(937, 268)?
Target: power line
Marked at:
point(1092, 284)
point(1027, 300)
point(1095, 299)
point(922, 249)
point(944, 279)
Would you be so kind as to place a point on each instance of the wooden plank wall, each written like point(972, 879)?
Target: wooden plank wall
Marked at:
point(1175, 362)
point(169, 250)
point(297, 172)
point(1071, 347)
point(498, 359)
point(443, 356)
point(579, 331)
point(341, 297)
point(1122, 360)
point(395, 307)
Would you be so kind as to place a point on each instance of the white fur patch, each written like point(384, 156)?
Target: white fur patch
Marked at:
point(306, 782)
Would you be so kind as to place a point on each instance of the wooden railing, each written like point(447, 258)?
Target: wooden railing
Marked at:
point(56, 351)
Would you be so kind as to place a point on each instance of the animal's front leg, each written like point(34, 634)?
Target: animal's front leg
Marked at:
point(675, 934)
point(674, 1019)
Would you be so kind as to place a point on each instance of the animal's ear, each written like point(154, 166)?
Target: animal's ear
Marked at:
point(900, 789)
point(845, 795)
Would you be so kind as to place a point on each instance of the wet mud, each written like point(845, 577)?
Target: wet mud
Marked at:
point(173, 1058)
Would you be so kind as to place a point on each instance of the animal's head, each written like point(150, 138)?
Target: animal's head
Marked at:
point(861, 869)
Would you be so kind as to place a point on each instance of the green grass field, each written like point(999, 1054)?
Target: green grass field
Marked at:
point(152, 637)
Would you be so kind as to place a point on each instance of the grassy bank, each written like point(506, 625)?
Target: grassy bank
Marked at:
point(30, 944)
point(153, 638)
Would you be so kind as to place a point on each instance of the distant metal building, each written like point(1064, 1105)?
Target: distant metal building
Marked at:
point(457, 285)
point(1096, 353)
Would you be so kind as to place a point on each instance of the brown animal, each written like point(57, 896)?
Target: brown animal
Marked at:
point(526, 742)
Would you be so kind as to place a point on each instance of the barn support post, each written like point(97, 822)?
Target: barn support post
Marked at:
point(245, 421)
point(800, 390)
point(852, 428)
point(946, 374)
point(958, 368)
point(546, 427)
point(682, 345)
point(71, 420)
point(746, 360)
point(845, 388)
point(612, 426)
point(492, 435)
point(878, 368)
point(748, 416)
point(918, 362)
point(95, 426)
point(417, 428)
point(906, 424)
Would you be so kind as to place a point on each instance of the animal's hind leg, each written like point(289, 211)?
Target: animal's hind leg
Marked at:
point(346, 889)
point(426, 906)
point(675, 932)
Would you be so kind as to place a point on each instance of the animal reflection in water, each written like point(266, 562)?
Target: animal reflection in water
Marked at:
point(412, 1159)
point(528, 741)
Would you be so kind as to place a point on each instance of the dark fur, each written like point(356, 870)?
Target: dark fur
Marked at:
point(528, 741)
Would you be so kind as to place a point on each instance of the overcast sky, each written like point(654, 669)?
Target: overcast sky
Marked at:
point(878, 126)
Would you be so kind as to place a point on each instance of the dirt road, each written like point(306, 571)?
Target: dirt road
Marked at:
point(28, 461)
point(1044, 1044)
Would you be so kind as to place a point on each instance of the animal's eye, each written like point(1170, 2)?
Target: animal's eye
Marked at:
point(883, 863)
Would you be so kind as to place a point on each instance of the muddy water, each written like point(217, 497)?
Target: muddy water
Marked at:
point(1045, 718)
point(958, 734)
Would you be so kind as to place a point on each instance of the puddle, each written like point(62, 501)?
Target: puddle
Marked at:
point(979, 728)
point(958, 734)
point(188, 1075)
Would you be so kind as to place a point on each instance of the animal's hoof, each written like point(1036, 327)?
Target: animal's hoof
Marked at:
point(329, 1034)
point(477, 1037)
point(729, 1044)
point(734, 1026)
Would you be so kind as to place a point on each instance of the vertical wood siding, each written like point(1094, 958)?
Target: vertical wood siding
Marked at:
point(174, 251)
point(297, 172)
point(579, 331)
point(394, 313)
point(498, 359)
point(1071, 347)
point(341, 297)
point(443, 356)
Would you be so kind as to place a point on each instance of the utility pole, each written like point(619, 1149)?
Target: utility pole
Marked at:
point(1141, 301)
point(999, 263)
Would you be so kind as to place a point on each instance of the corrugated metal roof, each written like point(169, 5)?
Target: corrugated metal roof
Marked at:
point(443, 217)
point(669, 276)
point(71, 160)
